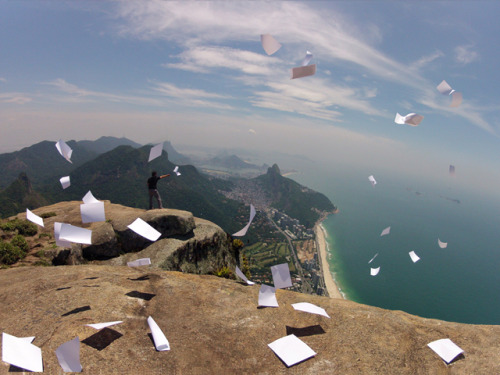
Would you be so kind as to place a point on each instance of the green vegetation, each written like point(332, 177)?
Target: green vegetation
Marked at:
point(46, 215)
point(224, 272)
point(23, 227)
point(20, 242)
point(46, 235)
point(261, 256)
point(10, 254)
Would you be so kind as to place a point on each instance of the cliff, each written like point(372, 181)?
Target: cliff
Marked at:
point(214, 326)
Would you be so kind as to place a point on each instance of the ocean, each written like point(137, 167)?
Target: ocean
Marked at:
point(460, 283)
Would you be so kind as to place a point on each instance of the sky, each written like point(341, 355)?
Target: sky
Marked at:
point(195, 73)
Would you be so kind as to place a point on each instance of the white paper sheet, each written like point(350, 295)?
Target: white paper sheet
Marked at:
point(65, 182)
point(267, 296)
point(64, 150)
point(414, 257)
point(139, 262)
point(441, 244)
point(245, 228)
point(104, 325)
point(452, 170)
point(242, 276)
point(446, 349)
point(371, 260)
point(34, 218)
point(161, 342)
point(374, 271)
point(269, 44)
point(291, 350)
point(385, 232)
point(21, 353)
point(75, 234)
point(372, 180)
point(145, 230)
point(57, 231)
point(89, 198)
point(411, 119)
point(310, 308)
point(281, 276)
point(155, 151)
point(444, 88)
point(176, 171)
point(456, 99)
point(68, 355)
point(307, 59)
point(303, 71)
point(92, 212)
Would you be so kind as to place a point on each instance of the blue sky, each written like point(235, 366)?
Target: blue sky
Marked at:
point(195, 73)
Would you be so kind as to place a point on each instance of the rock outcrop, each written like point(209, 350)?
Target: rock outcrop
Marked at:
point(214, 326)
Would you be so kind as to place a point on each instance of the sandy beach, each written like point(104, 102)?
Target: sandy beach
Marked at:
point(331, 287)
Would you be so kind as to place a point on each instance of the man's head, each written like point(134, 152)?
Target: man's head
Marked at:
point(153, 174)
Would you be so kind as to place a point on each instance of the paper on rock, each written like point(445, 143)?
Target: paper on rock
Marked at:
point(411, 119)
point(176, 171)
point(385, 231)
point(372, 180)
point(64, 150)
point(155, 151)
point(310, 308)
point(145, 230)
point(92, 212)
point(374, 271)
point(139, 262)
point(104, 325)
point(291, 350)
point(269, 44)
point(65, 182)
point(303, 71)
point(281, 276)
point(242, 276)
point(89, 198)
point(446, 349)
point(371, 260)
point(68, 355)
point(307, 59)
point(245, 228)
point(34, 218)
point(75, 234)
point(161, 342)
point(21, 353)
point(57, 231)
point(441, 244)
point(267, 296)
point(414, 257)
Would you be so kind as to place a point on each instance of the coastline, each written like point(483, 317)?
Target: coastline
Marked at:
point(331, 286)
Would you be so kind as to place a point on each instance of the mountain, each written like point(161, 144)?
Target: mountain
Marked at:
point(295, 200)
point(20, 195)
point(174, 156)
point(231, 162)
point(105, 144)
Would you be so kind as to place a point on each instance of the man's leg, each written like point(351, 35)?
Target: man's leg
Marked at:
point(151, 194)
point(158, 198)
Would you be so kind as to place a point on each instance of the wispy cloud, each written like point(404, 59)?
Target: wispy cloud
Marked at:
point(426, 60)
point(14, 98)
point(2, 79)
point(465, 54)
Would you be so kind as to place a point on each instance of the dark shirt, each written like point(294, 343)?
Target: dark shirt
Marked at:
point(152, 181)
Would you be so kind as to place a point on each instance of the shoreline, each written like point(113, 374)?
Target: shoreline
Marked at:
point(321, 246)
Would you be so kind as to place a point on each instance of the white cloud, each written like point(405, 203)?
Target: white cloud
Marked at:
point(465, 54)
point(14, 98)
point(2, 79)
point(425, 60)
point(171, 90)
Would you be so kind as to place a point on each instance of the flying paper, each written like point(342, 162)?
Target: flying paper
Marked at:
point(371, 260)
point(372, 180)
point(267, 296)
point(442, 245)
point(34, 218)
point(92, 212)
point(145, 230)
point(60, 242)
point(71, 233)
point(65, 182)
point(310, 308)
point(161, 342)
point(139, 262)
point(244, 230)
point(21, 353)
point(291, 350)
point(281, 276)
point(269, 44)
point(64, 150)
point(446, 349)
point(155, 151)
point(414, 257)
point(242, 276)
point(68, 355)
point(89, 198)
point(176, 171)
point(385, 231)
point(374, 271)
point(445, 89)
point(456, 99)
point(303, 71)
point(410, 119)
point(307, 59)
point(103, 325)
point(452, 170)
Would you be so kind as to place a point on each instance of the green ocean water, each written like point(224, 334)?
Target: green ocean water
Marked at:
point(460, 283)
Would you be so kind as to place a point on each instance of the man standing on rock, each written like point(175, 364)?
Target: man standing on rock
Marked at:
point(153, 191)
